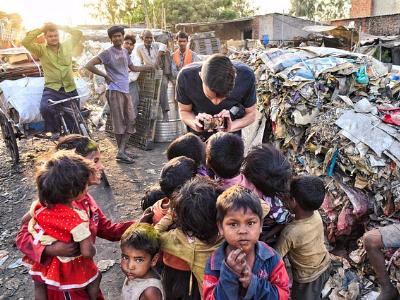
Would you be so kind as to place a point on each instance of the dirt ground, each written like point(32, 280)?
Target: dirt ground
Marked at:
point(120, 202)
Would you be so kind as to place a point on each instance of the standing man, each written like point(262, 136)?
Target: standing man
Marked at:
point(154, 54)
point(182, 56)
point(217, 87)
point(129, 45)
point(117, 61)
point(56, 61)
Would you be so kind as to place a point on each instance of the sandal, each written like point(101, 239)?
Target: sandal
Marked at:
point(124, 159)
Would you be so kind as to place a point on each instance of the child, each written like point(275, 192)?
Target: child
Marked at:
point(151, 196)
point(243, 267)
point(174, 174)
point(189, 145)
point(139, 255)
point(303, 239)
point(268, 169)
point(62, 179)
point(196, 233)
point(176, 273)
point(224, 156)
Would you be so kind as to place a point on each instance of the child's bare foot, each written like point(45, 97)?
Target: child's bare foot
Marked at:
point(388, 292)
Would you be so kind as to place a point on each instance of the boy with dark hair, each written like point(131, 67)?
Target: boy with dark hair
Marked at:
point(131, 38)
point(140, 248)
point(151, 196)
point(216, 88)
point(174, 174)
point(224, 156)
point(189, 145)
point(269, 170)
point(303, 239)
point(117, 63)
point(176, 273)
point(243, 267)
point(196, 234)
point(56, 61)
point(182, 56)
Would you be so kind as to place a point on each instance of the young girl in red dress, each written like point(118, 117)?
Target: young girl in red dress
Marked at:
point(62, 181)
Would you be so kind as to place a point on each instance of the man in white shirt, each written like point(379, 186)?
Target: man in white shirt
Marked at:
point(129, 44)
point(156, 54)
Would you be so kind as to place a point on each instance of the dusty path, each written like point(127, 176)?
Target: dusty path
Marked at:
point(121, 202)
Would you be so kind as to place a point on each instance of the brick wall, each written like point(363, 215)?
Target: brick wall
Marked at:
point(378, 25)
point(361, 8)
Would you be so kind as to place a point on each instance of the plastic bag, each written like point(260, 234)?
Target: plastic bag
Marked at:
point(362, 76)
point(25, 95)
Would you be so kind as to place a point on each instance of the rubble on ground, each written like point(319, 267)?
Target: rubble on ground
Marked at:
point(336, 114)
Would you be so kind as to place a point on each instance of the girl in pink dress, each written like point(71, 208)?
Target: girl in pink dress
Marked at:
point(62, 182)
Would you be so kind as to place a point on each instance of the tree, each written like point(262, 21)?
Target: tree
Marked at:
point(320, 9)
point(118, 11)
point(332, 9)
point(176, 11)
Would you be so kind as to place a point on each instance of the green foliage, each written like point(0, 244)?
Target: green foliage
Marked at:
point(322, 10)
point(176, 11)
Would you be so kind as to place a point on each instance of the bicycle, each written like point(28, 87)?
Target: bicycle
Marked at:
point(74, 112)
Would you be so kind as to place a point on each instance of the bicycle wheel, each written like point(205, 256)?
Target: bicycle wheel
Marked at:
point(9, 138)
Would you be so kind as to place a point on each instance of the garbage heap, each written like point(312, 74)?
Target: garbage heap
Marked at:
point(16, 63)
point(97, 83)
point(336, 114)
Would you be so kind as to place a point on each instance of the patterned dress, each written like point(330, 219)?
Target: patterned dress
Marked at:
point(65, 224)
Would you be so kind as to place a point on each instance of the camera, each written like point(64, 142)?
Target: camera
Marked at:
point(215, 123)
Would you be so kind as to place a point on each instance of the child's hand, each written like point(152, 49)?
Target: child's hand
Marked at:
point(62, 249)
point(246, 277)
point(26, 218)
point(236, 260)
point(147, 216)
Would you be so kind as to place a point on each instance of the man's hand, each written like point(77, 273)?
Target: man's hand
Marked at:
point(199, 119)
point(236, 260)
point(245, 278)
point(62, 249)
point(108, 79)
point(147, 216)
point(150, 67)
point(225, 114)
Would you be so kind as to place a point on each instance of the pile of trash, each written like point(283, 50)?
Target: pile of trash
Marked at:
point(16, 63)
point(336, 114)
point(97, 83)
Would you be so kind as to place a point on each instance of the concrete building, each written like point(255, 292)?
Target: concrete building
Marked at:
point(371, 8)
point(278, 27)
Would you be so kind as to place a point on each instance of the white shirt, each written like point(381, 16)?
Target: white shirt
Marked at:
point(133, 76)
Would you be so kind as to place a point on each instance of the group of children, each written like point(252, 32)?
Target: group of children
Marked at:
point(219, 224)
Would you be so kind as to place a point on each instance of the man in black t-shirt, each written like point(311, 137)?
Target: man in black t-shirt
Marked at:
point(217, 87)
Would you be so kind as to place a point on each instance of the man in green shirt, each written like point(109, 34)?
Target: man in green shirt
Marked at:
point(56, 61)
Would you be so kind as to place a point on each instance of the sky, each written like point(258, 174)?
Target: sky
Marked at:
point(73, 12)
